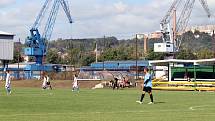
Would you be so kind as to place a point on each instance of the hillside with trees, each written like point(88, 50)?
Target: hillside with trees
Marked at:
point(81, 52)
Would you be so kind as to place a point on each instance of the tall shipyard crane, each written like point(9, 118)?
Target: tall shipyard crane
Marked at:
point(172, 31)
point(37, 44)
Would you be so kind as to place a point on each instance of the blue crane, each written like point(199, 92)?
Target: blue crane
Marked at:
point(37, 44)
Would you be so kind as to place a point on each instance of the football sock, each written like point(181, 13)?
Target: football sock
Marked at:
point(142, 96)
point(151, 97)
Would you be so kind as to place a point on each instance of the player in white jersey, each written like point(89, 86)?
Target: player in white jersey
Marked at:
point(8, 82)
point(75, 86)
point(46, 83)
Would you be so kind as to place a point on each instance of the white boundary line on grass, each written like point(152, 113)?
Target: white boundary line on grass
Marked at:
point(80, 113)
point(28, 94)
point(200, 107)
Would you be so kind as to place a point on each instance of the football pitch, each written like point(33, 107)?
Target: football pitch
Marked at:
point(34, 104)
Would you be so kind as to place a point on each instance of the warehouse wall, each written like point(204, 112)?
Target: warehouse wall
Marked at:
point(6, 49)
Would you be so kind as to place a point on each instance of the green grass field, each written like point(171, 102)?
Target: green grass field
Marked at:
point(33, 104)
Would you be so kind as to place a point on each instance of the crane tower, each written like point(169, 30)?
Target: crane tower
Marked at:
point(171, 33)
point(37, 43)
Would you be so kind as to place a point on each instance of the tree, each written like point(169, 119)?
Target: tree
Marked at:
point(186, 54)
point(74, 56)
point(195, 41)
point(204, 54)
point(17, 57)
point(87, 60)
point(120, 53)
point(52, 56)
point(80, 50)
point(154, 55)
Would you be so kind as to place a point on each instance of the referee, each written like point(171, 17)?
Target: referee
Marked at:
point(147, 87)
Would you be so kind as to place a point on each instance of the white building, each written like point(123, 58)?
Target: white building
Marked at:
point(207, 29)
point(6, 46)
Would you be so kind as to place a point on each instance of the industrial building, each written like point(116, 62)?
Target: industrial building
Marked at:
point(20, 70)
point(110, 69)
point(166, 70)
point(116, 66)
point(6, 47)
point(35, 44)
point(180, 70)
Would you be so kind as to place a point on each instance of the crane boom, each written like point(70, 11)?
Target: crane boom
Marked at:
point(51, 20)
point(205, 6)
point(65, 6)
point(183, 21)
point(41, 14)
point(52, 17)
point(164, 25)
point(185, 16)
point(168, 15)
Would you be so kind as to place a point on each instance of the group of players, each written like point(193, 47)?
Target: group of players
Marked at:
point(146, 86)
point(116, 83)
point(47, 84)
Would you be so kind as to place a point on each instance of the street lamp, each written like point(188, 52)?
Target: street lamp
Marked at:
point(138, 36)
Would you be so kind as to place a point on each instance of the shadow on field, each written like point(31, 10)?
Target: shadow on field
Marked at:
point(159, 102)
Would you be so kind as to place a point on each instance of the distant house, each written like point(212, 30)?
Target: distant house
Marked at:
point(206, 29)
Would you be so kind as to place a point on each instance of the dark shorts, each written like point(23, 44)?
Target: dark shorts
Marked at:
point(147, 89)
point(48, 83)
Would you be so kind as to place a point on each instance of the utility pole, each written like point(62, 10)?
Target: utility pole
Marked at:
point(145, 44)
point(103, 53)
point(141, 36)
point(174, 27)
point(213, 43)
point(18, 48)
point(175, 44)
point(96, 51)
point(136, 58)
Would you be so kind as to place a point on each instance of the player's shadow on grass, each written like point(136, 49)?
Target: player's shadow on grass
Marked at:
point(159, 102)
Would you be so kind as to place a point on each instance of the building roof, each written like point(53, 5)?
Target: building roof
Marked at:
point(195, 62)
point(166, 62)
point(206, 61)
point(6, 33)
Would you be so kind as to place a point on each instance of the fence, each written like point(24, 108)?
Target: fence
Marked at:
point(188, 86)
point(36, 75)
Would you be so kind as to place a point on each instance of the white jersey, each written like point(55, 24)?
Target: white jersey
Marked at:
point(75, 82)
point(47, 79)
point(7, 83)
point(44, 82)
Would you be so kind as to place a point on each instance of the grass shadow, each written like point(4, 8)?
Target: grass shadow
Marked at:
point(159, 102)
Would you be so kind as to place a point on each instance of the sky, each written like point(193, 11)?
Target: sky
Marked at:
point(95, 18)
